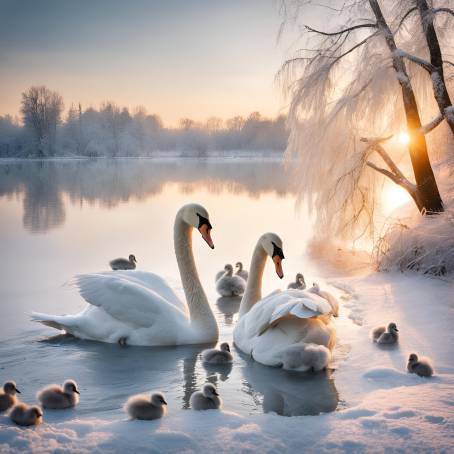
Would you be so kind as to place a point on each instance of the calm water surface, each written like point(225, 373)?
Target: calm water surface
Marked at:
point(60, 218)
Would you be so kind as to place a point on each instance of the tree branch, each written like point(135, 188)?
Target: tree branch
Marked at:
point(419, 61)
point(425, 129)
point(410, 11)
point(356, 46)
point(384, 172)
point(443, 10)
point(340, 32)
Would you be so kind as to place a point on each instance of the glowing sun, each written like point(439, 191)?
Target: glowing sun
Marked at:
point(403, 138)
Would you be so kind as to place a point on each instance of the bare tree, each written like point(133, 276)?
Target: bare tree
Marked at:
point(41, 111)
point(350, 92)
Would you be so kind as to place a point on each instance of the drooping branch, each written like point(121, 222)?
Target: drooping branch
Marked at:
point(340, 32)
point(405, 16)
point(356, 46)
point(442, 10)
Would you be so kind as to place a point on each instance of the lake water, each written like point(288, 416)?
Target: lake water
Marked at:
point(61, 218)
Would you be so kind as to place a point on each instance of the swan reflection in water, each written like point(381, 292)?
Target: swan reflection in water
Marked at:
point(229, 306)
point(178, 371)
point(290, 393)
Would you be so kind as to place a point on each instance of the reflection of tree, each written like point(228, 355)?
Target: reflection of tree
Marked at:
point(43, 204)
point(110, 182)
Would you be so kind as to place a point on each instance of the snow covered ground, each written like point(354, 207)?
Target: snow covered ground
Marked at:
point(385, 408)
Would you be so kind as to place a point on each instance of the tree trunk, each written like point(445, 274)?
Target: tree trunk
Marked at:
point(436, 59)
point(427, 188)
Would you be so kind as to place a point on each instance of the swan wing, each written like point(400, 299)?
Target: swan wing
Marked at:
point(295, 303)
point(126, 300)
point(153, 282)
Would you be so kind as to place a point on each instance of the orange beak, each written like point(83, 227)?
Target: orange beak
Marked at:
point(278, 265)
point(205, 232)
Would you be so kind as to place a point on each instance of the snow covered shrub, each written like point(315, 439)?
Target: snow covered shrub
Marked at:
point(425, 247)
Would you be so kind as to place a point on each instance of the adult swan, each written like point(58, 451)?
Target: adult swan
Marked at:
point(290, 328)
point(139, 308)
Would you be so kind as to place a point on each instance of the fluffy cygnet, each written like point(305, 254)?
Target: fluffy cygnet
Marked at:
point(207, 399)
point(143, 407)
point(332, 300)
point(241, 272)
point(24, 415)
point(124, 264)
point(299, 283)
point(221, 273)
point(8, 395)
point(421, 367)
point(306, 357)
point(57, 397)
point(229, 284)
point(383, 335)
point(215, 356)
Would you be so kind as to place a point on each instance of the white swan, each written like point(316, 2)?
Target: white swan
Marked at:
point(268, 327)
point(139, 308)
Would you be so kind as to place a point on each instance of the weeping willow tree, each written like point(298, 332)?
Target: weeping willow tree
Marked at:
point(375, 73)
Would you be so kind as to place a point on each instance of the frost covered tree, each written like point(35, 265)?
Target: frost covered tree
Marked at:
point(352, 89)
point(41, 111)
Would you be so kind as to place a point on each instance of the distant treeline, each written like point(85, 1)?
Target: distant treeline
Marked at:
point(113, 131)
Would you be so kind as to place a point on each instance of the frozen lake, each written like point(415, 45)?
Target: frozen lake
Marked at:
point(64, 217)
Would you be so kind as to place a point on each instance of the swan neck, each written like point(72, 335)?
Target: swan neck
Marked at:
point(201, 315)
point(253, 291)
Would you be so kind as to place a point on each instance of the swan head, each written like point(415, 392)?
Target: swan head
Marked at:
point(225, 347)
point(197, 216)
point(158, 399)
point(272, 245)
point(413, 358)
point(315, 287)
point(70, 387)
point(392, 328)
point(132, 258)
point(239, 265)
point(209, 390)
point(300, 278)
point(10, 388)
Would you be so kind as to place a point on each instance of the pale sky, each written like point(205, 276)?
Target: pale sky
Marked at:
point(178, 58)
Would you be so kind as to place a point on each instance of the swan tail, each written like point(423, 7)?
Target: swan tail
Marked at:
point(60, 322)
point(306, 357)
